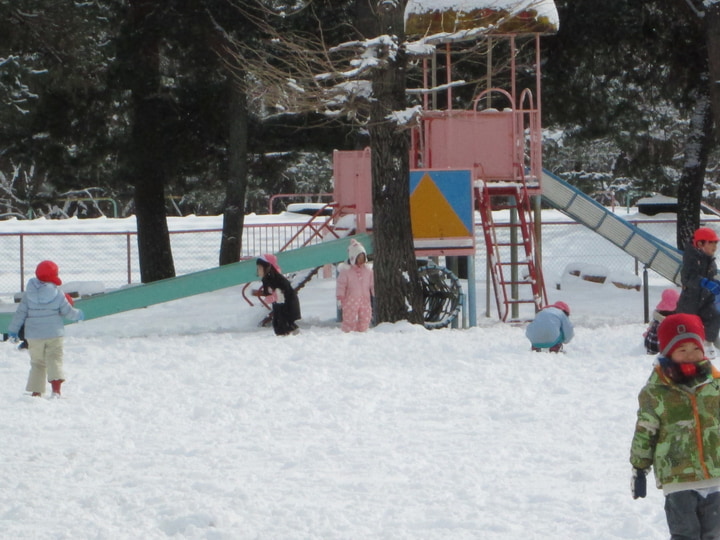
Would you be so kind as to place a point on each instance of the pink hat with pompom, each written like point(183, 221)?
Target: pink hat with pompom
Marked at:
point(668, 300)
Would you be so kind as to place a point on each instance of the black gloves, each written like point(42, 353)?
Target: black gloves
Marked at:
point(639, 483)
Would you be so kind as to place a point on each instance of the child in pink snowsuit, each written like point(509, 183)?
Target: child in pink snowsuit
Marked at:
point(355, 289)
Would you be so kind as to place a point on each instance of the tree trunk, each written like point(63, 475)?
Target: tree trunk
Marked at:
point(690, 186)
point(147, 146)
point(234, 214)
point(397, 286)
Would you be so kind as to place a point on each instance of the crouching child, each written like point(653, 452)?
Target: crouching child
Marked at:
point(551, 328)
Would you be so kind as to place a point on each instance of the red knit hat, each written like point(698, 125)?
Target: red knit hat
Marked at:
point(47, 271)
point(677, 329)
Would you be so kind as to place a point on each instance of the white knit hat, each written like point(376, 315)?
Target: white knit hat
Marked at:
point(355, 248)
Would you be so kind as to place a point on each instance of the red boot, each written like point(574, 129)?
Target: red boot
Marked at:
point(56, 387)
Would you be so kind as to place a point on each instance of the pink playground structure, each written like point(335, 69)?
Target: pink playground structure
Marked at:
point(497, 141)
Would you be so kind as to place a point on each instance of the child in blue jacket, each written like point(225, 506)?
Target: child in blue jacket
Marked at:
point(551, 328)
point(41, 311)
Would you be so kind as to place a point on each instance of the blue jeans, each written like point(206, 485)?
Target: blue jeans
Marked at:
point(690, 516)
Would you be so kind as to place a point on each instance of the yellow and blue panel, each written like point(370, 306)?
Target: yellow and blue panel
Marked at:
point(441, 209)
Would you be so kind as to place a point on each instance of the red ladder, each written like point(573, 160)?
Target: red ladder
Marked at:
point(510, 246)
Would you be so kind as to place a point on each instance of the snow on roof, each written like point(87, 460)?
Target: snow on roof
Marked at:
point(657, 199)
point(423, 17)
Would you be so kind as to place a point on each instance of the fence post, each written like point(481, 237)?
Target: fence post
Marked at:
point(129, 263)
point(22, 262)
point(646, 295)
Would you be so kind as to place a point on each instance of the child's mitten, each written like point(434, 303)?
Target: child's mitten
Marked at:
point(711, 285)
point(639, 483)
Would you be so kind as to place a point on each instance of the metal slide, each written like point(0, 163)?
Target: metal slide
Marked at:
point(649, 250)
point(213, 279)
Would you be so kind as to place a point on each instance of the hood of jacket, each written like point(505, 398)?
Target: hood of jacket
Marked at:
point(41, 292)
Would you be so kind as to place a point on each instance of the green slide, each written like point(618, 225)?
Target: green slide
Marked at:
point(147, 294)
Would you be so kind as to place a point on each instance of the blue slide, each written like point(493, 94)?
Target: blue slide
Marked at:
point(657, 255)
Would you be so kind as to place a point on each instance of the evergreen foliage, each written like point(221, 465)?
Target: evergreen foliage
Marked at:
point(620, 81)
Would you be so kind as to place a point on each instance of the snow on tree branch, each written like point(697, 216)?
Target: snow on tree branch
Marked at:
point(407, 117)
point(369, 54)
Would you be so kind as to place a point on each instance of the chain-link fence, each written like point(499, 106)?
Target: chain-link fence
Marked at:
point(112, 257)
point(569, 245)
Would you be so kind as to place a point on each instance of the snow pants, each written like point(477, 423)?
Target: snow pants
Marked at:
point(46, 363)
point(690, 516)
point(711, 321)
point(282, 320)
point(356, 315)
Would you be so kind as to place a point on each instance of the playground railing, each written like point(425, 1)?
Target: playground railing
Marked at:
point(112, 258)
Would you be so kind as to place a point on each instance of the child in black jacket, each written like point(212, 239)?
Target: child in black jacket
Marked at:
point(275, 286)
point(699, 285)
point(666, 306)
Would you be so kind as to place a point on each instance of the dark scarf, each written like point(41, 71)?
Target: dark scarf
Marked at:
point(691, 375)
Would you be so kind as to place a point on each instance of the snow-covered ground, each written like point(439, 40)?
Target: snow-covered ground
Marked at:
point(188, 420)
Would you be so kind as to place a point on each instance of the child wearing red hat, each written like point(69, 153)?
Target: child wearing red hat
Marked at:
point(678, 430)
point(699, 286)
point(41, 312)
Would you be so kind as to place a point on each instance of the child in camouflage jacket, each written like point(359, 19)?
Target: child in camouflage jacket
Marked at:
point(678, 431)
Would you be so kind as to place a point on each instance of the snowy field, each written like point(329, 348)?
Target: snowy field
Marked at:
point(188, 420)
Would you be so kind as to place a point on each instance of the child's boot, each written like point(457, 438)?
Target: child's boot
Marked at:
point(56, 387)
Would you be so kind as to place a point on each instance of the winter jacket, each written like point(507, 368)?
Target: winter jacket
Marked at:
point(355, 282)
point(651, 338)
point(695, 299)
point(678, 431)
point(286, 307)
point(550, 327)
point(41, 310)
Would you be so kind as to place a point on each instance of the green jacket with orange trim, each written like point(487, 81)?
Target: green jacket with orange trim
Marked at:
point(678, 428)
